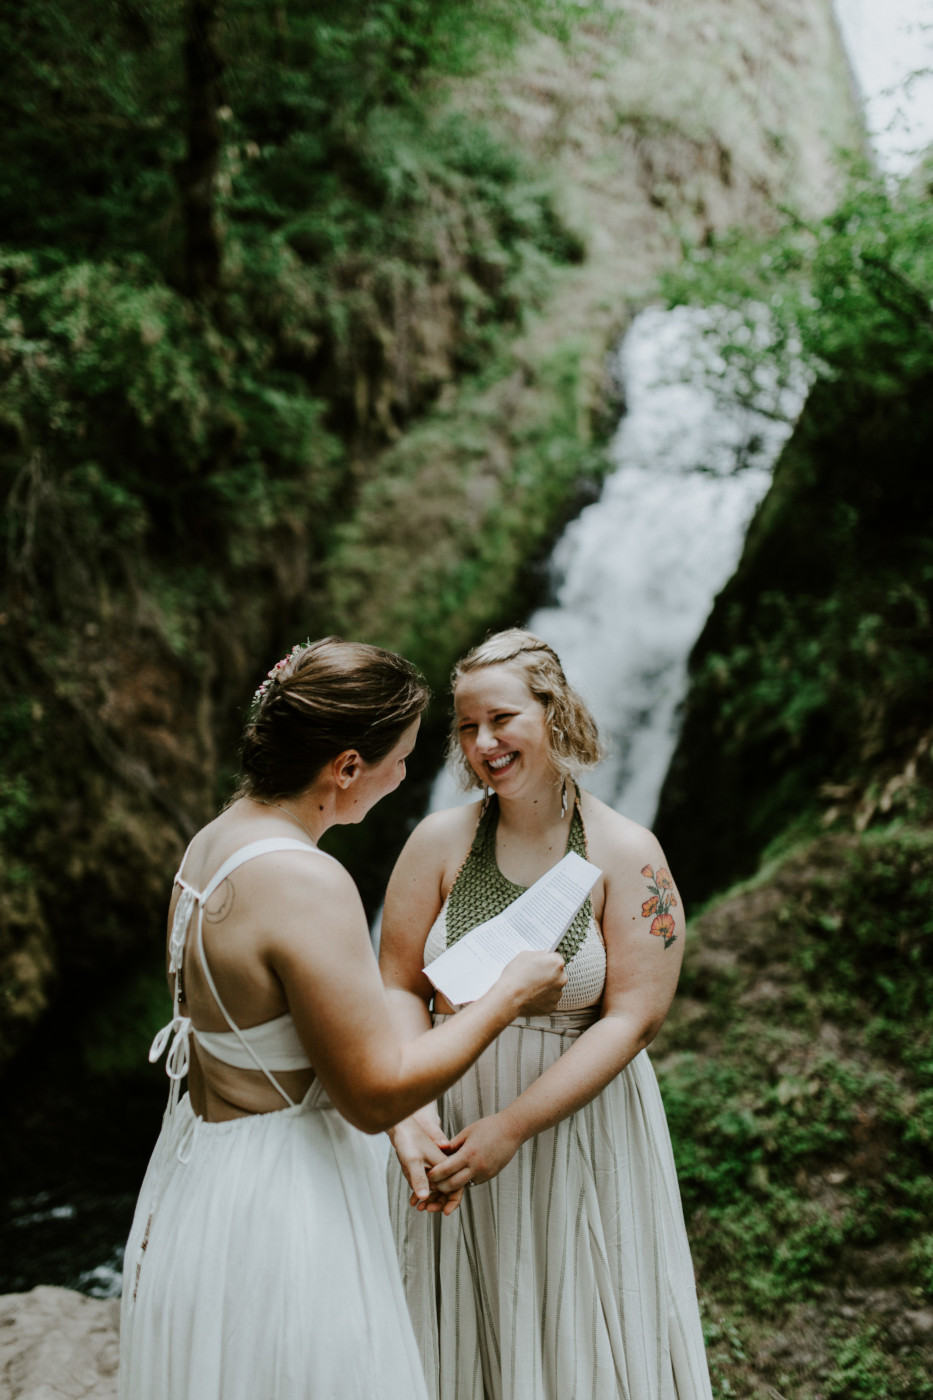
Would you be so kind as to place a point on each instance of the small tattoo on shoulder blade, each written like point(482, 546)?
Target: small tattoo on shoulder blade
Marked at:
point(223, 910)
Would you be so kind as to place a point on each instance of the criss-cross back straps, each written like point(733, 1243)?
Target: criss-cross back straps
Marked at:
point(180, 1027)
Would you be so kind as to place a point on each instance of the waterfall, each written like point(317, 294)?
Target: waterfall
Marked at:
point(633, 578)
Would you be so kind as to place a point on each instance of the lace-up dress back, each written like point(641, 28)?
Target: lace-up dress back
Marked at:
point(260, 1264)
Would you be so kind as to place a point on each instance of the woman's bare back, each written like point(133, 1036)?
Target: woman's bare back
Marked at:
point(235, 928)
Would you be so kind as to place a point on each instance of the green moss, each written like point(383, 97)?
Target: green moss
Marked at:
point(864, 1369)
point(480, 488)
point(117, 1031)
point(921, 1258)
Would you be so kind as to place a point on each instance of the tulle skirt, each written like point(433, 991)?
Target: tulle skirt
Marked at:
point(261, 1265)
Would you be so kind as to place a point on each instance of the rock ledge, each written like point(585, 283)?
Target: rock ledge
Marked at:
point(58, 1345)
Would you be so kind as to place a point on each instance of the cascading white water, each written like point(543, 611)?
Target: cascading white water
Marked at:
point(635, 575)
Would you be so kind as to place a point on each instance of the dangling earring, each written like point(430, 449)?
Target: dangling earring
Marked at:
point(487, 794)
point(563, 798)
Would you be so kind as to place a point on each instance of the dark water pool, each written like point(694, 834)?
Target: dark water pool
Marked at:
point(74, 1152)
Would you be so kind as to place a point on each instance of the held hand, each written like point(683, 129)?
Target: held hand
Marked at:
point(446, 1201)
point(420, 1143)
point(539, 978)
point(476, 1154)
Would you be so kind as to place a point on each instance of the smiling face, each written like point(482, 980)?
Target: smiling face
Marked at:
point(501, 727)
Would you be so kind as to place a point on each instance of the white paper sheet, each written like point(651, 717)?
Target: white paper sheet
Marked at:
point(537, 919)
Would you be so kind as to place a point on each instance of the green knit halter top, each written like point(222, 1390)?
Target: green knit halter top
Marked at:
point(481, 891)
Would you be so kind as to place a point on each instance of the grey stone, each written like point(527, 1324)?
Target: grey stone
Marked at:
point(58, 1345)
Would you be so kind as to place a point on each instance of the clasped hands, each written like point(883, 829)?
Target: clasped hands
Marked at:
point(438, 1169)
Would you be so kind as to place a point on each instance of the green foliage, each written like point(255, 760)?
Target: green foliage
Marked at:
point(725, 1350)
point(881, 919)
point(20, 718)
point(852, 665)
point(863, 1369)
point(365, 54)
point(921, 1256)
point(176, 455)
point(117, 1032)
point(814, 671)
point(473, 546)
point(847, 299)
point(364, 228)
point(793, 1160)
point(136, 427)
point(302, 85)
point(15, 803)
point(90, 125)
point(740, 1142)
point(131, 425)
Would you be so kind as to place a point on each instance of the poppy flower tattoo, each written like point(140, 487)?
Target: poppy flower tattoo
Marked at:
point(661, 901)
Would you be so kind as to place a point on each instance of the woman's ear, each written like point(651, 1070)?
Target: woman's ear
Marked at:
point(346, 768)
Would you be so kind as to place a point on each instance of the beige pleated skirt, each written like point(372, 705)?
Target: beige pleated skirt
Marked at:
point(568, 1276)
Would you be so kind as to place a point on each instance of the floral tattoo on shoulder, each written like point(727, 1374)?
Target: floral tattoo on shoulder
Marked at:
point(658, 907)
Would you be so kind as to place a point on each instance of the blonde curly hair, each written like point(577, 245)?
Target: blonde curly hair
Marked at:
point(571, 735)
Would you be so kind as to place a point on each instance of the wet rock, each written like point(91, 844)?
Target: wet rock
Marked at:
point(920, 1324)
point(777, 1347)
point(58, 1345)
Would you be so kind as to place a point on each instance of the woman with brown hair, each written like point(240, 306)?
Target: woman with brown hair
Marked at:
point(260, 1261)
point(565, 1271)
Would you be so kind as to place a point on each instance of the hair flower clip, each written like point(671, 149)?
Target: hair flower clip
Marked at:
point(273, 674)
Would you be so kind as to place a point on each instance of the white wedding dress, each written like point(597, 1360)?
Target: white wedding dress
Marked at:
point(260, 1264)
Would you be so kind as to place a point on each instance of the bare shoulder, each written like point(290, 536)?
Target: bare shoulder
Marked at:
point(296, 867)
point(444, 837)
point(292, 883)
point(308, 907)
point(454, 823)
point(637, 886)
point(615, 842)
point(297, 873)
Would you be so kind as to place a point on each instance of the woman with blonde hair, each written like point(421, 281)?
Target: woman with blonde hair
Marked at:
point(565, 1271)
point(260, 1262)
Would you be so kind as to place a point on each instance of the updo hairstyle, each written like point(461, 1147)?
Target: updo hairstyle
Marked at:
point(328, 697)
point(572, 738)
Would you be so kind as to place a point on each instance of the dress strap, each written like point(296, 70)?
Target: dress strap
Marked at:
point(178, 880)
point(240, 857)
point(229, 1019)
point(256, 848)
point(180, 1028)
point(480, 890)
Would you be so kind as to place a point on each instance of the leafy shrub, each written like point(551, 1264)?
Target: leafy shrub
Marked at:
point(794, 1160)
point(863, 1369)
point(846, 299)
